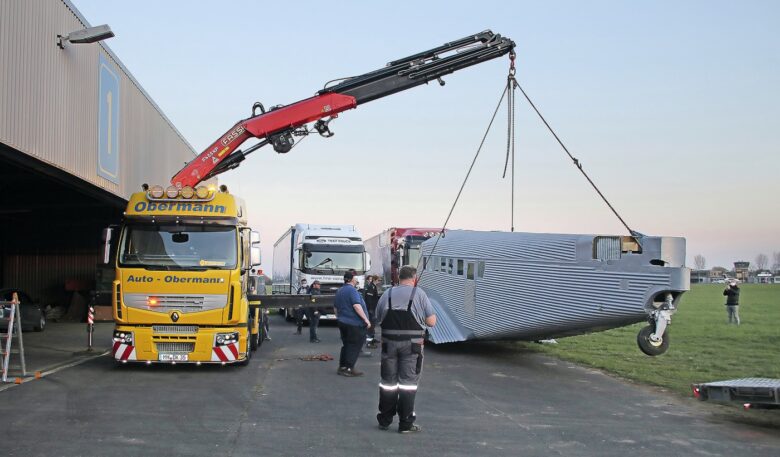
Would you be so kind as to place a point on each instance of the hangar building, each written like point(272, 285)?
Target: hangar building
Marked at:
point(78, 135)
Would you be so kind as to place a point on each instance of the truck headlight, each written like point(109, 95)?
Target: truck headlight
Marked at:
point(123, 337)
point(223, 339)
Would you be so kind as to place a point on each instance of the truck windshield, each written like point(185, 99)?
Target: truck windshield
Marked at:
point(412, 255)
point(332, 262)
point(180, 247)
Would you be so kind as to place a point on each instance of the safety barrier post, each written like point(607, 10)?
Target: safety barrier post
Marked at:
point(90, 326)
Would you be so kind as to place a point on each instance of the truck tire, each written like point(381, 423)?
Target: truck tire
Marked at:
point(255, 340)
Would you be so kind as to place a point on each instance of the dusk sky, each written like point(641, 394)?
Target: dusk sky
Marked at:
point(671, 106)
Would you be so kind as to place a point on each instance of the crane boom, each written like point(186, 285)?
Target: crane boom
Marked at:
point(278, 125)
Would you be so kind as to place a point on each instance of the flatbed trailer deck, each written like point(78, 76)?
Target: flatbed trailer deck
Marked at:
point(749, 391)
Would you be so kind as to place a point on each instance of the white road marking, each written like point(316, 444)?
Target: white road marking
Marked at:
point(54, 370)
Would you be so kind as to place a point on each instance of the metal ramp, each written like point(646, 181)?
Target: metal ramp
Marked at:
point(749, 391)
point(9, 312)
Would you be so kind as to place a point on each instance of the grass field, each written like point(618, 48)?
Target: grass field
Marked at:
point(703, 346)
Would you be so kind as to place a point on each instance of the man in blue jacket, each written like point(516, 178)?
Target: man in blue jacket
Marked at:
point(352, 316)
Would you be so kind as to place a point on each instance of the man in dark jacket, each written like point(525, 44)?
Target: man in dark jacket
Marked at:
point(299, 312)
point(313, 314)
point(732, 301)
point(371, 297)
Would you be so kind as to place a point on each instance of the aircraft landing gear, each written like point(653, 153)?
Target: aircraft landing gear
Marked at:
point(653, 340)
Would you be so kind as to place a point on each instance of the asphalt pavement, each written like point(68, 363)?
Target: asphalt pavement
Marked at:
point(475, 399)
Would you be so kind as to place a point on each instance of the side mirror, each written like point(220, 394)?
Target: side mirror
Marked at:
point(254, 254)
point(254, 238)
point(108, 236)
point(367, 260)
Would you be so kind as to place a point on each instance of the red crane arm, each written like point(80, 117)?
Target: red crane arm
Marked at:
point(278, 125)
point(281, 119)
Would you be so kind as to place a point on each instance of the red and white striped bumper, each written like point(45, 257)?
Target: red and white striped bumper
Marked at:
point(123, 352)
point(225, 353)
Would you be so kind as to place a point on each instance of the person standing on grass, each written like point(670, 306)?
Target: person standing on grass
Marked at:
point(732, 301)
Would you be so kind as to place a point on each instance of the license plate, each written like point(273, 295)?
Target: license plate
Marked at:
point(164, 357)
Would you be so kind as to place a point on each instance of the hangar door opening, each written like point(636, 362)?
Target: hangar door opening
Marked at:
point(50, 231)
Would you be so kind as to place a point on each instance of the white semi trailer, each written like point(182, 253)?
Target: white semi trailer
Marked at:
point(318, 252)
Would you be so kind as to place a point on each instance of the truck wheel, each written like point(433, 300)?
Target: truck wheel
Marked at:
point(254, 340)
point(261, 335)
point(649, 347)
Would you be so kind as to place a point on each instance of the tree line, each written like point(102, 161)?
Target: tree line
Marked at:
point(761, 262)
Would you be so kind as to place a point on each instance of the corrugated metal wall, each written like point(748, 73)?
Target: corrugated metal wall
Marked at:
point(44, 276)
point(49, 101)
point(49, 110)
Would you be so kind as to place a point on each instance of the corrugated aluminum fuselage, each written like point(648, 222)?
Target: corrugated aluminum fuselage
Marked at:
point(528, 286)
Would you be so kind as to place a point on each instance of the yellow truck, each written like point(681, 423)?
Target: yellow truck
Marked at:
point(183, 258)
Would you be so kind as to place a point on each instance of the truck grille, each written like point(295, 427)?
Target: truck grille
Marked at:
point(328, 288)
point(186, 329)
point(175, 347)
point(182, 303)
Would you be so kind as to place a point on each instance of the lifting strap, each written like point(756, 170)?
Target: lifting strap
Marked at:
point(509, 92)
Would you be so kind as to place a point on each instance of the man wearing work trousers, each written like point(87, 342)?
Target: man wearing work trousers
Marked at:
point(404, 312)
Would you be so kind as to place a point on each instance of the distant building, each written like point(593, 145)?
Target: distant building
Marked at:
point(765, 277)
point(741, 271)
point(718, 274)
point(700, 276)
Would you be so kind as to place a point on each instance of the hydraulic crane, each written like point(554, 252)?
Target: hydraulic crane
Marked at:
point(279, 124)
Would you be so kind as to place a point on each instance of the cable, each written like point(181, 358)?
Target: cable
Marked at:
point(577, 163)
point(462, 186)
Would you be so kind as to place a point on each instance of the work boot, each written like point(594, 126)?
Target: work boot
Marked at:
point(414, 428)
point(351, 373)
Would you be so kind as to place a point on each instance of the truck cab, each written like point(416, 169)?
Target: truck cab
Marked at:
point(318, 253)
point(183, 259)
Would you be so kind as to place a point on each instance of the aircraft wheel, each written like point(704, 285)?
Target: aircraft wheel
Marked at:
point(649, 347)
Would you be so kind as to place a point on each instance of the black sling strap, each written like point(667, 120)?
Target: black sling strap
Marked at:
point(390, 299)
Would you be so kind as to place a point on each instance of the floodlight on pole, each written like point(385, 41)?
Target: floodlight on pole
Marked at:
point(88, 35)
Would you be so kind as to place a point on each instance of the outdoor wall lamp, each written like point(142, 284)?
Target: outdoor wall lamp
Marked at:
point(88, 35)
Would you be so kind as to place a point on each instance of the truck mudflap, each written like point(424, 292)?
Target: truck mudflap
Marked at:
point(750, 392)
